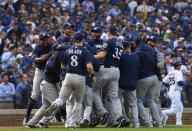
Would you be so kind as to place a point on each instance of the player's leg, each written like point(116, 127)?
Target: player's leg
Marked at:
point(97, 89)
point(141, 90)
point(130, 97)
point(88, 100)
point(34, 94)
point(78, 92)
point(50, 92)
point(69, 107)
point(179, 115)
point(150, 99)
point(157, 99)
point(125, 107)
point(64, 94)
point(113, 102)
point(39, 114)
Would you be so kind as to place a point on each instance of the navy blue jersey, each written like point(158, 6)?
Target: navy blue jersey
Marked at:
point(60, 55)
point(93, 50)
point(147, 59)
point(64, 39)
point(129, 71)
point(38, 51)
point(113, 47)
point(52, 70)
point(75, 59)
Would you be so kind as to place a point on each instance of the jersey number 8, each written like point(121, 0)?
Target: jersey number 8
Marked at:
point(74, 61)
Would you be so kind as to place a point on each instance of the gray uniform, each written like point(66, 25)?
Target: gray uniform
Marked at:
point(49, 94)
point(160, 60)
point(130, 100)
point(147, 85)
point(77, 87)
point(39, 75)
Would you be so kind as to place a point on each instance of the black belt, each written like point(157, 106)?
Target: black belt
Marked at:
point(110, 66)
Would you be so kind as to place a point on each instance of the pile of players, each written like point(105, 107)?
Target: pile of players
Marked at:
point(99, 82)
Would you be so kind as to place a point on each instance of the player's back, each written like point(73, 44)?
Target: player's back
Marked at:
point(172, 78)
point(76, 59)
point(113, 47)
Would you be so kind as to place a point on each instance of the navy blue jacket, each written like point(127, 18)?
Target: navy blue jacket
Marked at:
point(52, 70)
point(129, 71)
point(147, 59)
point(38, 51)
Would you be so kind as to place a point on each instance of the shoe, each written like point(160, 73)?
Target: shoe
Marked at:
point(25, 121)
point(121, 122)
point(71, 127)
point(164, 121)
point(103, 119)
point(42, 125)
point(49, 111)
point(94, 122)
point(127, 123)
point(31, 126)
point(112, 125)
point(84, 124)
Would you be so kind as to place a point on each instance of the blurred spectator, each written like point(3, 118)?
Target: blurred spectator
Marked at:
point(23, 90)
point(7, 93)
point(9, 57)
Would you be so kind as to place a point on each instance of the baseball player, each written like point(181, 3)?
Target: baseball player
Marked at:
point(129, 71)
point(40, 56)
point(160, 64)
point(147, 83)
point(88, 98)
point(48, 89)
point(79, 64)
point(111, 55)
point(175, 81)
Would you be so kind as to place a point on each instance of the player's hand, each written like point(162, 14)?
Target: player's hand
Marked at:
point(94, 79)
point(45, 56)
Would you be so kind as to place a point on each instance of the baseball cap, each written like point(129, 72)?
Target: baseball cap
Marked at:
point(97, 30)
point(78, 36)
point(113, 29)
point(67, 25)
point(125, 44)
point(176, 63)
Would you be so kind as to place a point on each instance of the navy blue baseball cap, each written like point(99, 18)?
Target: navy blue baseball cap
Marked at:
point(97, 30)
point(67, 25)
point(113, 29)
point(126, 44)
point(78, 36)
point(176, 63)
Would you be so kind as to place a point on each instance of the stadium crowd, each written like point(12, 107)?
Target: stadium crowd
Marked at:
point(24, 22)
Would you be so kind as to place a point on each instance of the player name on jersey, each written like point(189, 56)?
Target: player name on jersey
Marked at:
point(75, 51)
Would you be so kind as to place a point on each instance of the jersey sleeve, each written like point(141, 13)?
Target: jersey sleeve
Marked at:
point(166, 79)
point(106, 46)
point(36, 52)
point(64, 60)
point(179, 77)
point(88, 57)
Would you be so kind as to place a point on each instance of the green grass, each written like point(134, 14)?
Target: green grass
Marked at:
point(60, 128)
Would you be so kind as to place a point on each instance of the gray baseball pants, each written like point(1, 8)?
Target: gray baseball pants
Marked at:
point(38, 77)
point(147, 88)
point(77, 87)
point(49, 94)
point(130, 100)
point(110, 78)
